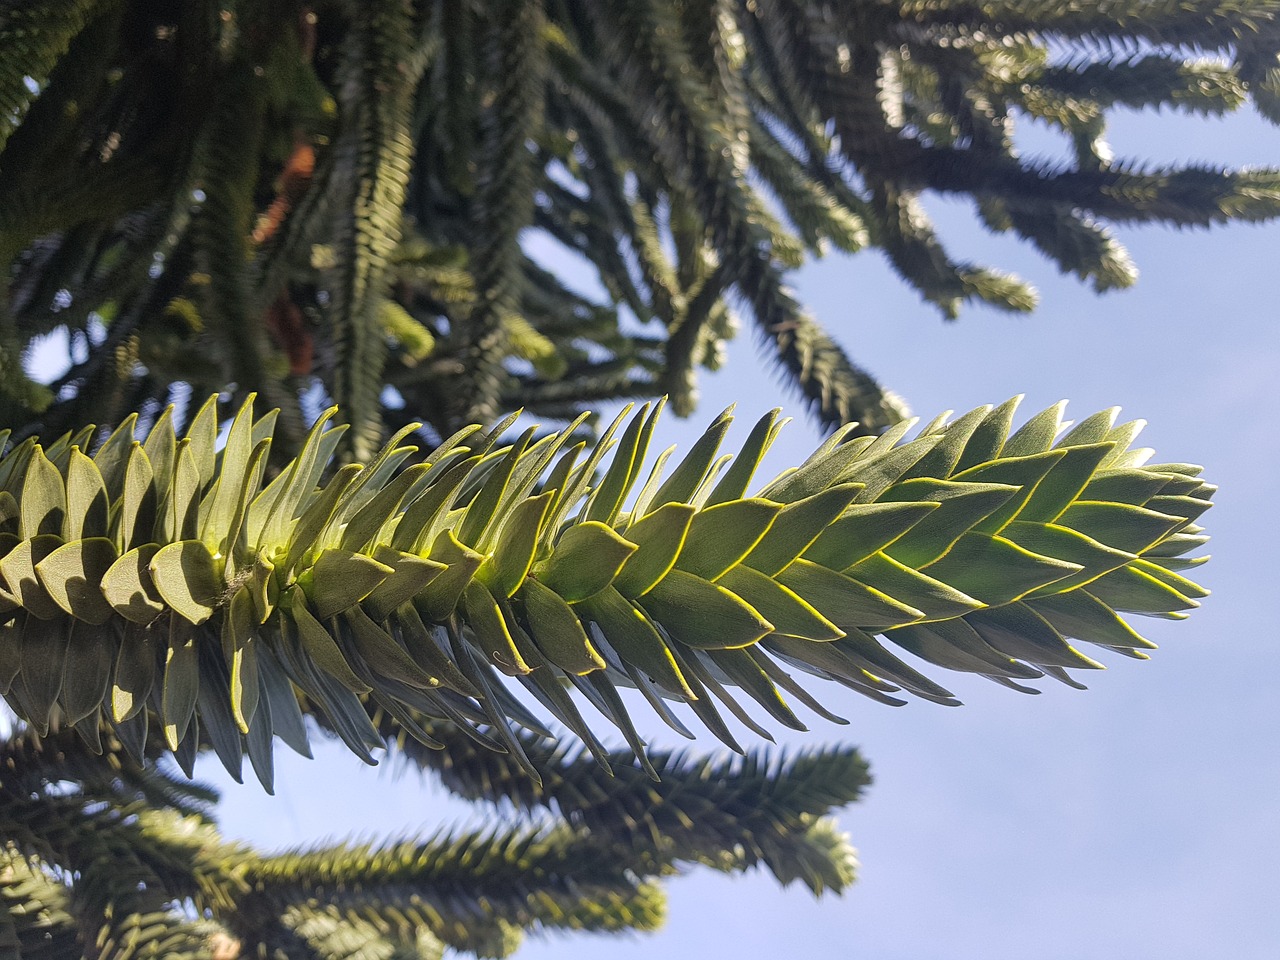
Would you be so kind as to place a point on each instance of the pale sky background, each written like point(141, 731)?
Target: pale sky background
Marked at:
point(1136, 820)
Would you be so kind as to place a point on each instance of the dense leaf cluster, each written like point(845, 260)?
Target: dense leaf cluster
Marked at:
point(163, 571)
point(361, 193)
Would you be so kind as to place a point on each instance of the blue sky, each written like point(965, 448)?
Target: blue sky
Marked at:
point(1133, 820)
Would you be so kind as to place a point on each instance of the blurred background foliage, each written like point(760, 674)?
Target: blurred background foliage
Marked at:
point(372, 202)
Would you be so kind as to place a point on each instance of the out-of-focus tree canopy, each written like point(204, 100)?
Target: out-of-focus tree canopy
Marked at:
point(260, 194)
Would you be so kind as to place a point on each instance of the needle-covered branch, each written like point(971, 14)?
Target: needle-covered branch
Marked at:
point(167, 577)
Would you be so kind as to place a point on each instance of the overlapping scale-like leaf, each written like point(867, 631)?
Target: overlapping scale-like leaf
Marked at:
point(164, 573)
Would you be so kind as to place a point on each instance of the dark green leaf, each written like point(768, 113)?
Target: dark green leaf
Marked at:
point(18, 567)
point(557, 630)
point(1063, 484)
point(316, 642)
point(788, 612)
point(491, 632)
point(90, 656)
point(181, 679)
point(439, 597)
point(699, 613)
point(1118, 525)
point(86, 514)
point(410, 576)
point(938, 597)
point(1017, 630)
point(134, 674)
point(996, 570)
point(629, 632)
point(721, 536)
point(797, 526)
point(658, 537)
point(863, 529)
point(587, 557)
point(844, 601)
point(1137, 591)
point(340, 579)
point(44, 497)
point(961, 507)
point(380, 653)
point(44, 659)
point(1080, 615)
point(515, 546)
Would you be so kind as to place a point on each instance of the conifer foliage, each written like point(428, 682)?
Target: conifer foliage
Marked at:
point(162, 595)
point(357, 201)
point(233, 191)
point(161, 566)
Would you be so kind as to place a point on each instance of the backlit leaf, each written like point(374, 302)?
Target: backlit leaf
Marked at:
point(186, 577)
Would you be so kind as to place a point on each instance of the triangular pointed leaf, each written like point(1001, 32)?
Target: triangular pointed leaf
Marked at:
point(720, 536)
point(18, 568)
point(44, 497)
point(863, 529)
point(139, 502)
point(491, 631)
point(439, 597)
point(733, 485)
point(86, 499)
point(659, 538)
point(846, 602)
point(586, 559)
point(410, 576)
point(699, 613)
point(787, 611)
point(515, 546)
point(181, 680)
point(317, 644)
point(340, 579)
point(376, 649)
point(635, 640)
point(556, 629)
point(926, 591)
point(797, 526)
point(996, 570)
point(134, 674)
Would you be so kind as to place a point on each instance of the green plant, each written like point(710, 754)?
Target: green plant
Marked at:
point(241, 192)
point(331, 199)
point(165, 565)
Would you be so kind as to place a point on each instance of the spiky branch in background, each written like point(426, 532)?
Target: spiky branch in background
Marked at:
point(371, 164)
point(104, 869)
point(475, 892)
point(692, 153)
point(160, 572)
